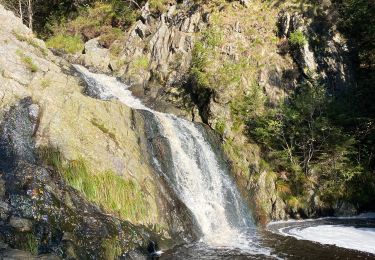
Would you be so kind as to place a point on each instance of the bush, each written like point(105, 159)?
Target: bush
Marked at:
point(297, 38)
point(66, 43)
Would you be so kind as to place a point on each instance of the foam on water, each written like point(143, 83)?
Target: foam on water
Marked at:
point(362, 239)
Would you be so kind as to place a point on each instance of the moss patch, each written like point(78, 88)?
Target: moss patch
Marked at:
point(115, 194)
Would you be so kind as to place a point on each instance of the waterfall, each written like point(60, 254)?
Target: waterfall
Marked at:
point(197, 176)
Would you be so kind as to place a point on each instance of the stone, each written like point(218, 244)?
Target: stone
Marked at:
point(96, 56)
point(284, 24)
point(34, 112)
point(245, 3)
point(345, 210)
point(21, 224)
point(142, 30)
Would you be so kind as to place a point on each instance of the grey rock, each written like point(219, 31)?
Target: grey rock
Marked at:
point(345, 210)
point(21, 224)
point(146, 13)
point(284, 24)
point(96, 56)
point(142, 30)
point(34, 112)
point(245, 3)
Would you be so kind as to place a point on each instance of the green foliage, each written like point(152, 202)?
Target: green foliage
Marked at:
point(158, 6)
point(297, 38)
point(114, 193)
point(300, 138)
point(28, 61)
point(141, 63)
point(30, 41)
point(250, 105)
point(31, 244)
point(112, 248)
point(66, 43)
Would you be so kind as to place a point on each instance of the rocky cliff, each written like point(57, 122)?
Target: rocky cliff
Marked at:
point(224, 63)
point(64, 154)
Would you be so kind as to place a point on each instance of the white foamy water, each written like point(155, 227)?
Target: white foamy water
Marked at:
point(362, 239)
point(198, 178)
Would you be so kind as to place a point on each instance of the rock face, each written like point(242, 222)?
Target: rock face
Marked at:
point(327, 59)
point(96, 56)
point(42, 108)
point(44, 215)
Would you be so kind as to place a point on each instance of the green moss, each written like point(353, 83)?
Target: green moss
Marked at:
point(141, 62)
point(66, 43)
point(109, 36)
point(31, 244)
point(28, 61)
point(111, 248)
point(104, 129)
point(115, 194)
point(220, 126)
point(293, 203)
point(297, 38)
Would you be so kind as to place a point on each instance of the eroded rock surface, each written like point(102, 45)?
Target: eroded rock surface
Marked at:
point(43, 108)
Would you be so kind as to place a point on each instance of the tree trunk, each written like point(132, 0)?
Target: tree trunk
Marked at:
point(20, 10)
point(30, 11)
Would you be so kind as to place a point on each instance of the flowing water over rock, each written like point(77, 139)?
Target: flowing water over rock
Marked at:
point(200, 178)
point(197, 176)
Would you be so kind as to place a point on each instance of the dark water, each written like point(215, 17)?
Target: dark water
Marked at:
point(280, 246)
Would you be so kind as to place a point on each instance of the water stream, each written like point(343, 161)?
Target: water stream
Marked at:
point(202, 183)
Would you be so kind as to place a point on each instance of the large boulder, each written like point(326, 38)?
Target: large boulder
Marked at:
point(96, 56)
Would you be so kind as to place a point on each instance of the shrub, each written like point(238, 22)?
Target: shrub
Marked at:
point(158, 6)
point(297, 38)
point(66, 43)
point(141, 62)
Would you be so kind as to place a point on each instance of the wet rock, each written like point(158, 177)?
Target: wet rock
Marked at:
point(28, 188)
point(4, 210)
point(34, 112)
point(346, 210)
point(21, 224)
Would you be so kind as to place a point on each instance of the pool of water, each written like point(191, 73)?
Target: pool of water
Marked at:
point(330, 238)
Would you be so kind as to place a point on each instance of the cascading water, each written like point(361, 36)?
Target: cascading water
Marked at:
point(197, 176)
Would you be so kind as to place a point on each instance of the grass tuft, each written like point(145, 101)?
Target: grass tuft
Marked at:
point(66, 43)
point(113, 193)
point(28, 61)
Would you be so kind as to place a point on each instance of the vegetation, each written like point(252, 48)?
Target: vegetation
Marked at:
point(114, 193)
point(31, 41)
point(112, 248)
point(28, 61)
point(297, 38)
point(31, 244)
point(303, 138)
point(66, 43)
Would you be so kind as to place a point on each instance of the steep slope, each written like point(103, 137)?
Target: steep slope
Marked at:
point(228, 63)
point(53, 139)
